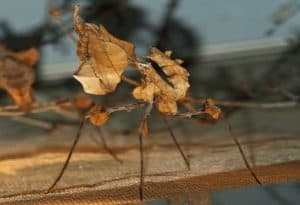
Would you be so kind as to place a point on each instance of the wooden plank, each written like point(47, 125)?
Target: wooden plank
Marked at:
point(198, 184)
point(30, 163)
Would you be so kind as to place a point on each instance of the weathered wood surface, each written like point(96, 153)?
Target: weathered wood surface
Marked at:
point(30, 158)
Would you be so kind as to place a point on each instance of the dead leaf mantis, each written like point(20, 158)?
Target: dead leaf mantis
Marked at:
point(104, 59)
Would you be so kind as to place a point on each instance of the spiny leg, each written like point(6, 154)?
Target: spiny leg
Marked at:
point(141, 148)
point(105, 146)
point(176, 142)
point(229, 128)
point(62, 171)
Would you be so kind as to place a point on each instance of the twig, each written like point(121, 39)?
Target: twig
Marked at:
point(38, 107)
point(54, 106)
point(289, 95)
point(67, 114)
point(189, 114)
point(271, 105)
point(127, 107)
point(33, 122)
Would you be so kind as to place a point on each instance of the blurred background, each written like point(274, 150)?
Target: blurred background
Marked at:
point(241, 44)
point(237, 50)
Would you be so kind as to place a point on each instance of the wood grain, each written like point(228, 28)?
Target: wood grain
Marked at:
point(30, 163)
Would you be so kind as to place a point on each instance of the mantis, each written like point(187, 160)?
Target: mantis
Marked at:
point(104, 58)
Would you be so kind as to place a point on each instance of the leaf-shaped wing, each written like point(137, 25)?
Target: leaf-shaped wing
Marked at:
point(103, 56)
point(126, 46)
point(100, 73)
